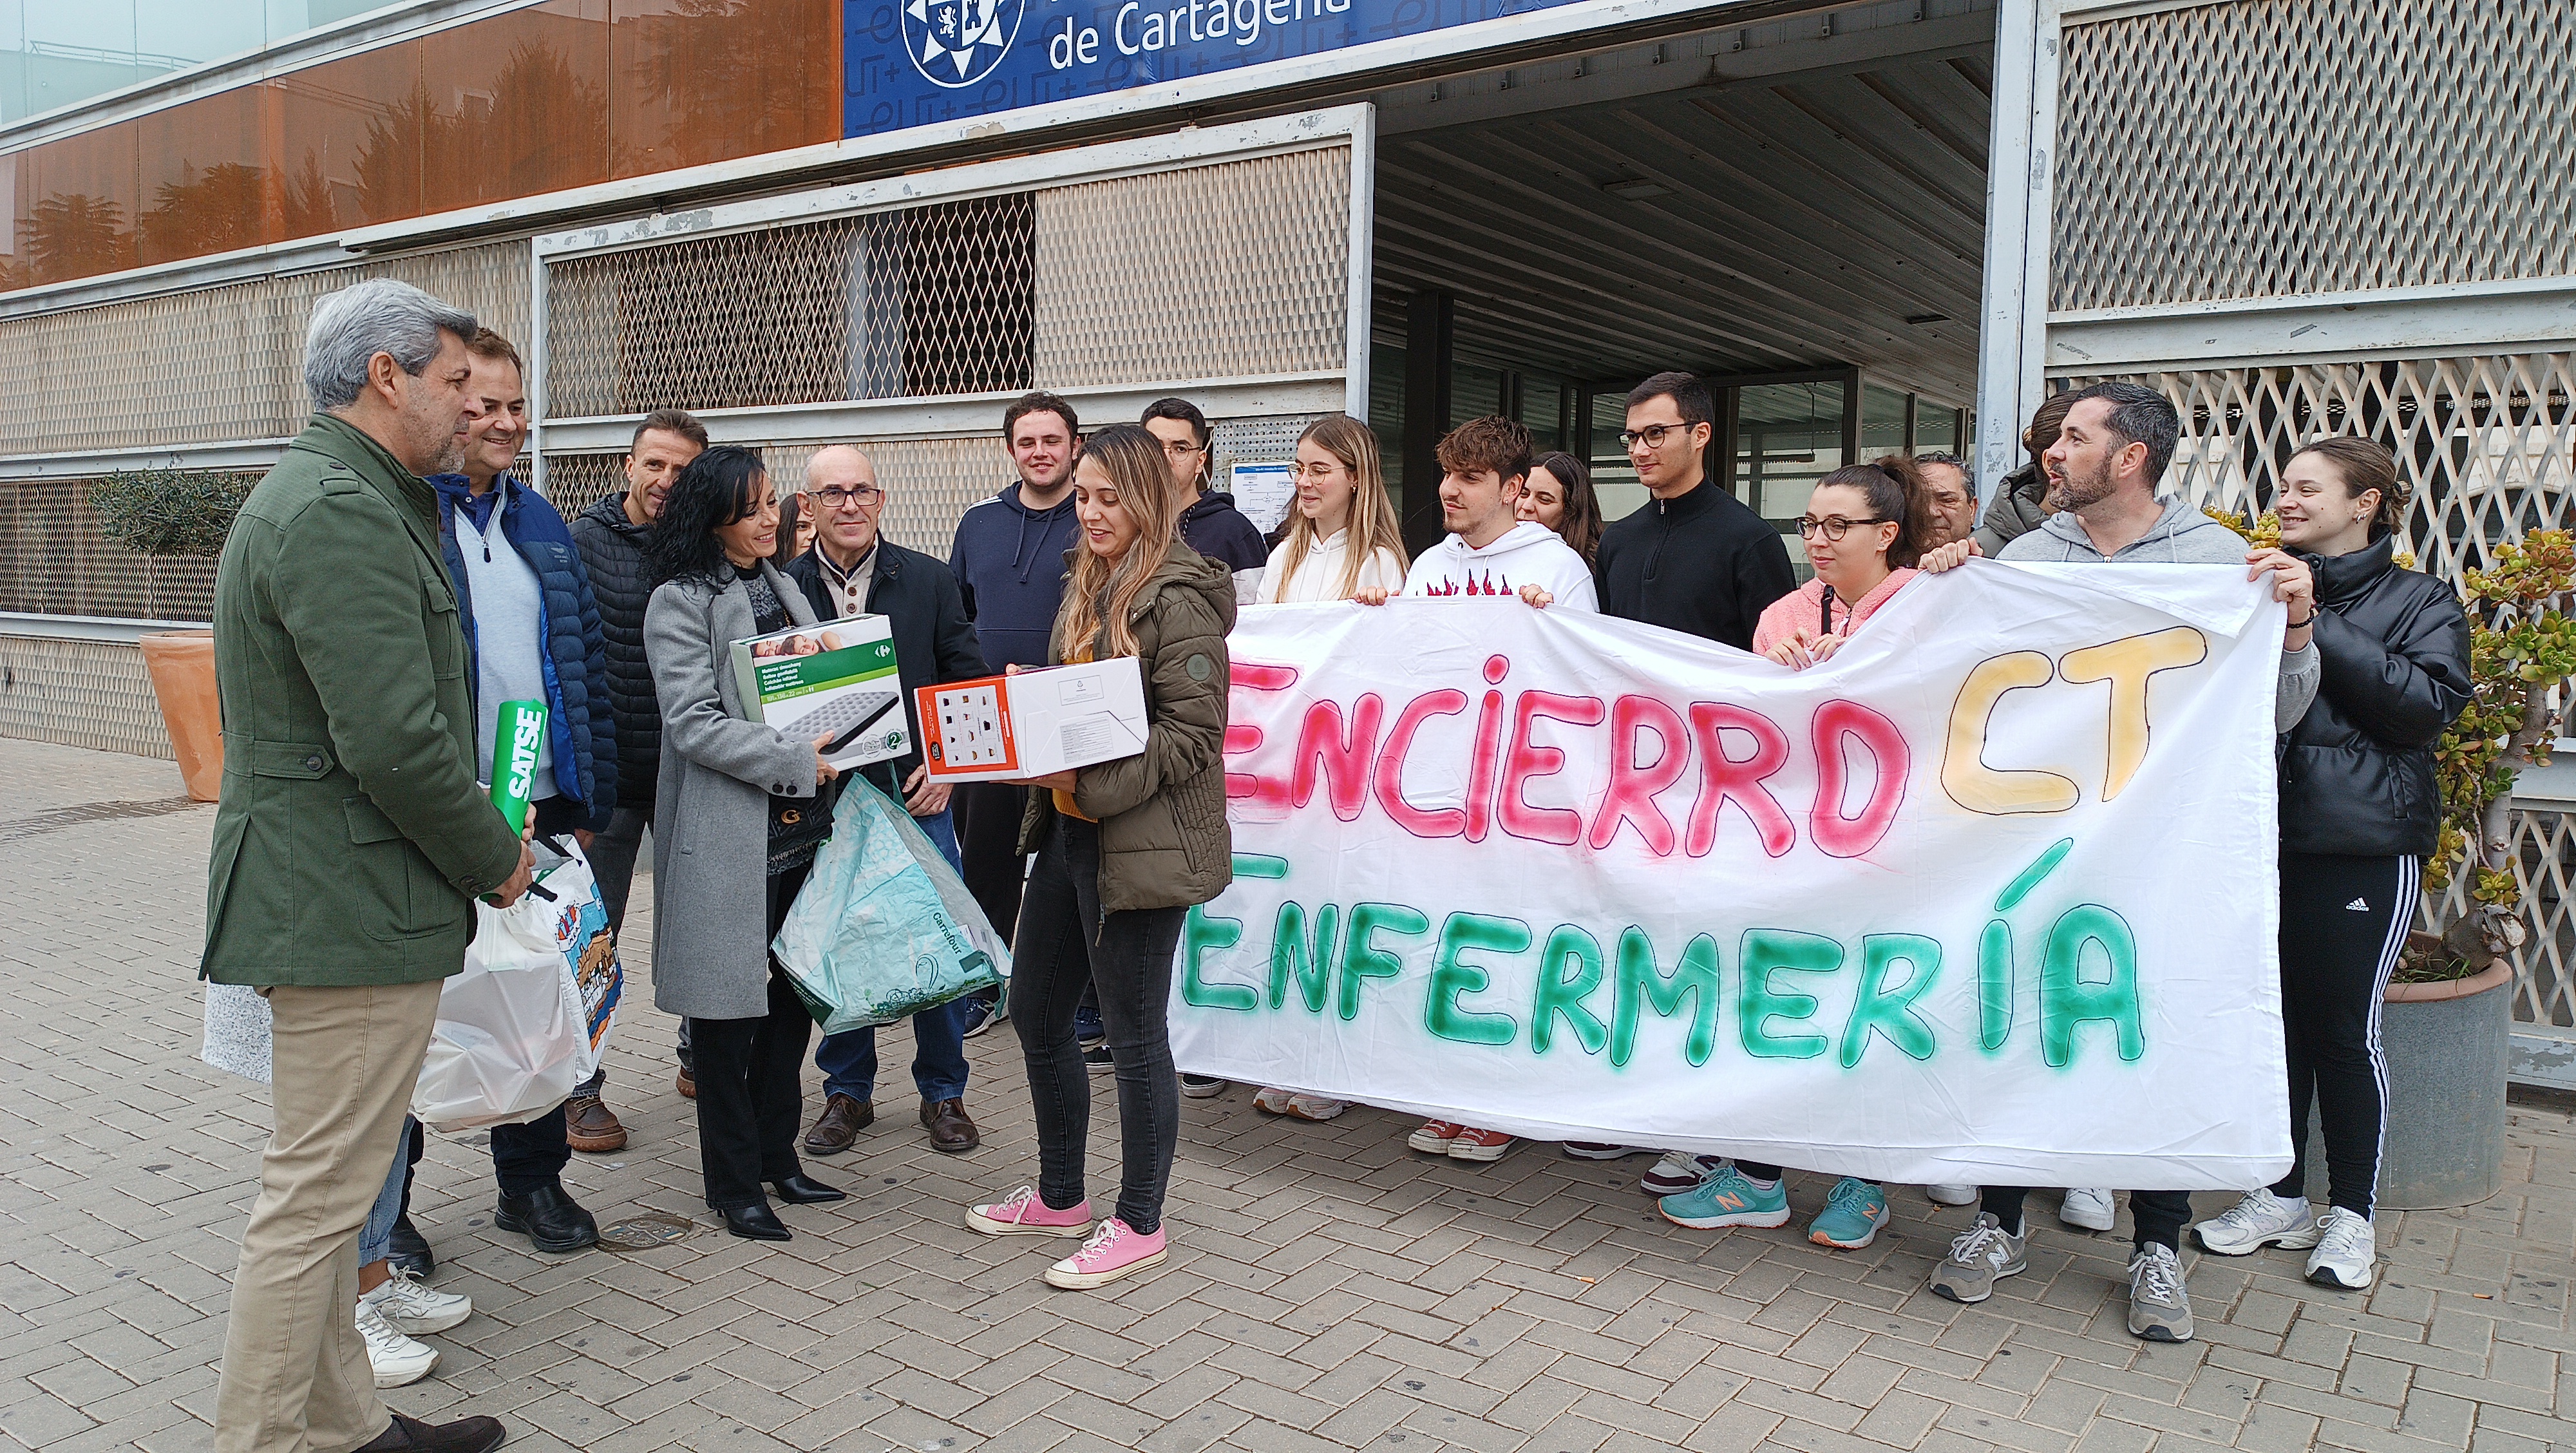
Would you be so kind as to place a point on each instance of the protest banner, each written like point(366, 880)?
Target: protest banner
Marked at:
point(1989, 897)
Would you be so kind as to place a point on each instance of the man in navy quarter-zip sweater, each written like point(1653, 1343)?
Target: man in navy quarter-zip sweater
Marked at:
point(1695, 558)
point(1009, 562)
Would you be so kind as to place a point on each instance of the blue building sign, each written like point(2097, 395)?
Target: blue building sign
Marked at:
point(917, 62)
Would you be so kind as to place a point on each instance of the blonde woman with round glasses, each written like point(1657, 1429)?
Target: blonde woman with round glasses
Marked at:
point(1342, 536)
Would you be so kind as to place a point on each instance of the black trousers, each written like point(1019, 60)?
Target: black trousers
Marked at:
point(2156, 1216)
point(2343, 925)
point(751, 1083)
point(988, 841)
point(1130, 958)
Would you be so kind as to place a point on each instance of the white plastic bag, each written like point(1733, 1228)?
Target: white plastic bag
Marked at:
point(525, 1023)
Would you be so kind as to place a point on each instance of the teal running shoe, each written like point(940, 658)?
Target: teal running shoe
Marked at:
point(1854, 1210)
point(1726, 1198)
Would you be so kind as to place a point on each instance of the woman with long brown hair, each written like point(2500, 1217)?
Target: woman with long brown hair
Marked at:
point(1124, 848)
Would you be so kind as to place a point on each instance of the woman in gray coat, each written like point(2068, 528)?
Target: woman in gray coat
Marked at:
point(737, 815)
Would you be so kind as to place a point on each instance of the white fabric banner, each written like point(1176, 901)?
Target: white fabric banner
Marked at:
point(1989, 897)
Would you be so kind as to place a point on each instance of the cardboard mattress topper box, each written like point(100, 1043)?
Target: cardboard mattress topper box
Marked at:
point(832, 679)
point(1031, 723)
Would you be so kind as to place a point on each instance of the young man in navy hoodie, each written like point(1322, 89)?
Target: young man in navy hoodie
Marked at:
point(1009, 562)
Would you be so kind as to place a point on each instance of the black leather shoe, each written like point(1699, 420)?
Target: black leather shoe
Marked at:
point(411, 1435)
point(409, 1250)
point(549, 1218)
point(800, 1191)
point(757, 1223)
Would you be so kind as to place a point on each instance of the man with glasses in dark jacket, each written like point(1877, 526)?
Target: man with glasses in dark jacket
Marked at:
point(610, 536)
point(854, 570)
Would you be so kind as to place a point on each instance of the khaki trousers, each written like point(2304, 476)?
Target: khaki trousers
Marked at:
point(295, 1374)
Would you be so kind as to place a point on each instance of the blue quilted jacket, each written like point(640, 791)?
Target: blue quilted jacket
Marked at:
point(576, 659)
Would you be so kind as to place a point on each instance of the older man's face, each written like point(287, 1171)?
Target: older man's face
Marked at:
point(1953, 509)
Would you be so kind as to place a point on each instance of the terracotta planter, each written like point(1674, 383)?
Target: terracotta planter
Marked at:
point(2447, 1047)
point(182, 664)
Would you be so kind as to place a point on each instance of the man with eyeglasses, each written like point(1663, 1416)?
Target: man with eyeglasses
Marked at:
point(1210, 524)
point(852, 570)
point(1694, 559)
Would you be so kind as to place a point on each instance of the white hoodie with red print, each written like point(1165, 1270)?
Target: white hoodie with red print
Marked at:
point(1528, 554)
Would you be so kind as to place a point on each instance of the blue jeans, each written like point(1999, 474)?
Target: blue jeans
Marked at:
point(377, 1238)
point(848, 1060)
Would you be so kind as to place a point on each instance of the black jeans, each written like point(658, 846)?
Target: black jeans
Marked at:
point(751, 1083)
point(2157, 1216)
point(2343, 924)
point(1130, 959)
point(988, 842)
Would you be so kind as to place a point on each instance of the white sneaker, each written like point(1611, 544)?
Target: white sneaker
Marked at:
point(2090, 1209)
point(1315, 1107)
point(398, 1361)
point(1952, 1195)
point(2257, 1220)
point(2347, 1245)
point(414, 1309)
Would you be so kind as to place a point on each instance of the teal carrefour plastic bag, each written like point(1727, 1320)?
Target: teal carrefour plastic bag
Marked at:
point(883, 927)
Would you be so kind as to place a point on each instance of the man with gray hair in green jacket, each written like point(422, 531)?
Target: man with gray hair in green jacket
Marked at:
point(350, 844)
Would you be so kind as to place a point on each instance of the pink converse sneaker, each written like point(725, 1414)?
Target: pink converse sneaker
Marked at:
point(1023, 1214)
point(1112, 1252)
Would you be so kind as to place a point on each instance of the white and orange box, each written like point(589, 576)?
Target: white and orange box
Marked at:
point(1031, 723)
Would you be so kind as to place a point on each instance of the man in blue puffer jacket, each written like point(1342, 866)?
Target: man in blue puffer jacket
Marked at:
point(531, 634)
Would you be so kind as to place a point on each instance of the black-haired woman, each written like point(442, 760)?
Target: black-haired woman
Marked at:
point(2359, 811)
point(738, 815)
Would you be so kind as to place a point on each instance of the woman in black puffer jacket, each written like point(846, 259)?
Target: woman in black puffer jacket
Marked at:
point(2359, 812)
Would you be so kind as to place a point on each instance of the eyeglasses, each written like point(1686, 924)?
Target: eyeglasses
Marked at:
point(1652, 436)
point(1832, 527)
point(1302, 470)
point(1178, 450)
point(837, 498)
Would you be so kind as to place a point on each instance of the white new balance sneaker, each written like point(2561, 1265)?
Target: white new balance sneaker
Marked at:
point(2258, 1220)
point(2088, 1208)
point(414, 1309)
point(1952, 1195)
point(2347, 1245)
point(397, 1360)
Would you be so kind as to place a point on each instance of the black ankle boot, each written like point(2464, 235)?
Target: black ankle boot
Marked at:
point(549, 1218)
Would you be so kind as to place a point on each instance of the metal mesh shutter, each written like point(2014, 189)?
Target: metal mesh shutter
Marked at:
point(2266, 147)
point(214, 365)
point(925, 300)
point(93, 694)
point(1219, 271)
point(54, 560)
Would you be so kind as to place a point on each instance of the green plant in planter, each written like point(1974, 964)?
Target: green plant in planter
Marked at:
point(2522, 647)
point(170, 511)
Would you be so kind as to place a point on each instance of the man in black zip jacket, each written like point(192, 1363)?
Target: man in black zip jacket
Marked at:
point(1694, 559)
point(610, 537)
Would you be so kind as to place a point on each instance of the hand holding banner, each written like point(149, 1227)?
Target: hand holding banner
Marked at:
point(1987, 897)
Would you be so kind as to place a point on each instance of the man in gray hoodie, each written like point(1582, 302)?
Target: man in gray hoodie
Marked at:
point(2117, 440)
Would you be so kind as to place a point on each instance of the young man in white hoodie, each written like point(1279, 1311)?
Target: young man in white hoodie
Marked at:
point(1488, 551)
point(1483, 464)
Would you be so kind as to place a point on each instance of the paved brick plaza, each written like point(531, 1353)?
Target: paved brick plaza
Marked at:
point(1328, 1289)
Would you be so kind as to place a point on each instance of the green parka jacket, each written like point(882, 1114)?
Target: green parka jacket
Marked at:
point(352, 838)
point(1164, 842)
